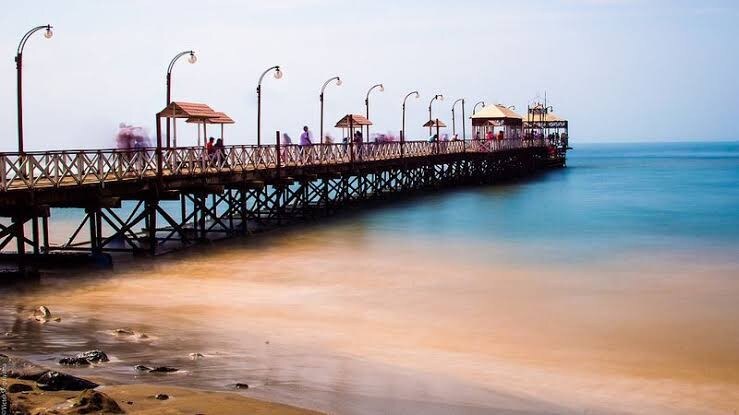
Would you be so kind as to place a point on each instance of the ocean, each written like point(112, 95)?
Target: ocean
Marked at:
point(609, 286)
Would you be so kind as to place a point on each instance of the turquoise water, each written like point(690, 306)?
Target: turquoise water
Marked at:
point(611, 198)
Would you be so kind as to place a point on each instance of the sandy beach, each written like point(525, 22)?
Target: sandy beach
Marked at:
point(24, 396)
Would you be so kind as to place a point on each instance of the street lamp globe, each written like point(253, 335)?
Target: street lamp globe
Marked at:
point(192, 58)
point(382, 88)
point(338, 81)
point(441, 97)
point(49, 34)
point(278, 74)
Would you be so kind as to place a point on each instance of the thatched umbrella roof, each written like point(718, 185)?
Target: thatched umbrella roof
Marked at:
point(356, 121)
point(178, 109)
point(220, 118)
point(433, 123)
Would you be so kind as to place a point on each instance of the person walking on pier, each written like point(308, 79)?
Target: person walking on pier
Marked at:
point(305, 137)
point(305, 145)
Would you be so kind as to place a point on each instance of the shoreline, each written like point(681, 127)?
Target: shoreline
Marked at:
point(26, 392)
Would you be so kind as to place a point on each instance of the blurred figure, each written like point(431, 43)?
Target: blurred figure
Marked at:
point(305, 137)
point(286, 140)
point(219, 150)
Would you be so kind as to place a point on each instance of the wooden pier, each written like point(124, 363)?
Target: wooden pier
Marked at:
point(239, 190)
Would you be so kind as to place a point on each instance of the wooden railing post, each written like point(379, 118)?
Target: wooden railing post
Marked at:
point(278, 156)
point(351, 138)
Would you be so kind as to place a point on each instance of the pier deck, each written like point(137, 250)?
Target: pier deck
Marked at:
point(232, 193)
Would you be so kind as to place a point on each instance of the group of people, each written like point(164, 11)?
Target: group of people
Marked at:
point(214, 150)
point(490, 135)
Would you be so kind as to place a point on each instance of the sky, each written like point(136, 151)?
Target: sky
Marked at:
point(618, 70)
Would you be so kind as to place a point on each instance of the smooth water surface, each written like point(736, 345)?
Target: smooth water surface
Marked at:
point(610, 286)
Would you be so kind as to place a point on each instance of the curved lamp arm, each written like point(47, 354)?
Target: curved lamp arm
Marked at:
point(192, 59)
point(474, 109)
point(28, 34)
point(455, 103)
point(382, 89)
point(437, 96)
point(278, 74)
point(325, 84)
point(406, 97)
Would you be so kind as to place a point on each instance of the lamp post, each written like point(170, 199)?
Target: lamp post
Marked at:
point(440, 98)
point(366, 103)
point(323, 88)
point(454, 123)
point(278, 75)
point(402, 131)
point(191, 59)
point(19, 69)
point(474, 110)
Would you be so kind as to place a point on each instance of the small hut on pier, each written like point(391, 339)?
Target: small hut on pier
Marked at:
point(188, 110)
point(499, 120)
point(541, 122)
point(221, 119)
point(350, 124)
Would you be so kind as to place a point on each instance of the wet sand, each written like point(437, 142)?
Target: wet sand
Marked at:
point(140, 399)
point(358, 325)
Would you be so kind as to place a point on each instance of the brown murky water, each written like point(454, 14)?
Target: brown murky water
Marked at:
point(333, 320)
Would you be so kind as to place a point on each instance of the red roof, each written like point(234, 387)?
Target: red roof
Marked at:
point(356, 121)
point(432, 123)
point(187, 110)
point(220, 118)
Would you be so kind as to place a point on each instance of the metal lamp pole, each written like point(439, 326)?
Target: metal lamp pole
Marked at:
point(19, 69)
point(440, 98)
point(454, 123)
point(474, 110)
point(191, 59)
point(366, 103)
point(323, 88)
point(278, 75)
point(402, 131)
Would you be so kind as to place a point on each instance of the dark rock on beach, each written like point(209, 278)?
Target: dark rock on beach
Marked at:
point(158, 369)
point(19, 387)
point(74, 361)
point(56, 381)
point(241, 386)
point(91, 401)
point(85, 359)
point(161, 396)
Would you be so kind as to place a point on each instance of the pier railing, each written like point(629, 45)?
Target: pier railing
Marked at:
point(46, 169)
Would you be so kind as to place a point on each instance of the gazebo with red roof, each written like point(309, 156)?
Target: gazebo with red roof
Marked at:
point(177, 109)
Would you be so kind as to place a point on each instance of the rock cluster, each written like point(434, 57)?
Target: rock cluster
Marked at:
point(85, 359)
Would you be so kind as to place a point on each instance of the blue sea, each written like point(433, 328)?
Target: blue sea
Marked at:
point(611, 198)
